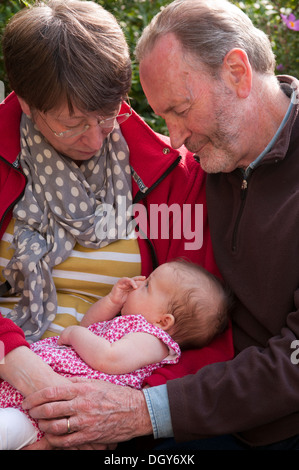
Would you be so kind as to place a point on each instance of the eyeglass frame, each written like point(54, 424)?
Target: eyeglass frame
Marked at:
point(100, 123)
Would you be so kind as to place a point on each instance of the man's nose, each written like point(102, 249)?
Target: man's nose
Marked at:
point(178, 132)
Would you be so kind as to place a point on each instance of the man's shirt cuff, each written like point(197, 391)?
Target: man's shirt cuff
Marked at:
point(158, 408)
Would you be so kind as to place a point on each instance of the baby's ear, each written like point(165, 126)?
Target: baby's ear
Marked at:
point(167, 321)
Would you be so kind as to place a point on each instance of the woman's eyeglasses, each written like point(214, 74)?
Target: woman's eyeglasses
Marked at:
point(103, 123)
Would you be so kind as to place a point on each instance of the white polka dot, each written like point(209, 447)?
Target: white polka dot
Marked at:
point(33, 208)
point(31, 266)
point(59, 181)
point(61, 233)
point(75, 191)
point(72, 208)
point(83, 206)
point(96, 169)
point(47, 153)
point(34, 307)
point(121, 155)
point(38, 189)
point(78, 224)
point(31, 221)
point(112, 233)
point(68, 246)
point(119, 184)
point(74, 232)
point(115, 136)
point(119, 220)
point(37, 139)
point(21, 214)
point(48, 170)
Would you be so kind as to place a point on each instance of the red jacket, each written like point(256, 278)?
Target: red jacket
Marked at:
point(160, 175)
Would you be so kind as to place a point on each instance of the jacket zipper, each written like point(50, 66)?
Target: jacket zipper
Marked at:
point(141, 195)
point(243, 194)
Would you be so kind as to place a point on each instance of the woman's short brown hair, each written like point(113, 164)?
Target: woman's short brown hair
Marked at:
point(67, 51)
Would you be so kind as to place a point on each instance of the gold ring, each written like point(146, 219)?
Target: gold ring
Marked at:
point(68, 426)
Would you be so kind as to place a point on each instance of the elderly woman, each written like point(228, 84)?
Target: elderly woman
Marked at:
point(78, 165)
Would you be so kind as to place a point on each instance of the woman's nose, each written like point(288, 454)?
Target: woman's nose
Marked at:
point(95, 136)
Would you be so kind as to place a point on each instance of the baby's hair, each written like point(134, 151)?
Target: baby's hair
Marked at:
point(201, 306)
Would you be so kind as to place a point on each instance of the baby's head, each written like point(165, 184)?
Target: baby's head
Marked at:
point(183, 299)
point(199, 305)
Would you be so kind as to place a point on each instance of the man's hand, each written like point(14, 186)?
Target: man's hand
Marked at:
point(98, 412)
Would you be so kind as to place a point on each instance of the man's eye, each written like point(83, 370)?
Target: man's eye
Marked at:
point(182, 113)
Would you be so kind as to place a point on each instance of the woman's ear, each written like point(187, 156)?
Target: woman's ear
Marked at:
point(237, 72)
point(24, 106)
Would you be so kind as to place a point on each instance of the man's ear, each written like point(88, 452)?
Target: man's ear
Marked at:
point(24, 106)
point(166, 322)
point(237, 72)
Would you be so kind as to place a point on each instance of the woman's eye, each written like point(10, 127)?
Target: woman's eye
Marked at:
point(73, 127)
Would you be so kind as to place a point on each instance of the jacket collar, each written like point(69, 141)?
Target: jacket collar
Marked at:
point(276, 149)
point(10, 115)
point(151, 155)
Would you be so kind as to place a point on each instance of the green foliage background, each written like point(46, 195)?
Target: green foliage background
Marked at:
point(134, 15)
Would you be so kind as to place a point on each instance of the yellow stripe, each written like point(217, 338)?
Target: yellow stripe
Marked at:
point(81, 279)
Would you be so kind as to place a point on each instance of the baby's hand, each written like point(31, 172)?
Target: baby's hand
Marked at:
point(65, 336)
point(120, 290)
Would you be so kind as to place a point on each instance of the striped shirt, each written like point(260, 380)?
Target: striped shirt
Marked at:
point(82, 279)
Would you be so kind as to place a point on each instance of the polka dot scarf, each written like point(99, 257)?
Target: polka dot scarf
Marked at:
point(62, 204)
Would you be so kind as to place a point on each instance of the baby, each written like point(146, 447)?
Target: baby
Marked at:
point(179, 305)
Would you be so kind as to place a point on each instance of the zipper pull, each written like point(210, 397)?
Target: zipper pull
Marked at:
point(16, 163)
point(244, 185)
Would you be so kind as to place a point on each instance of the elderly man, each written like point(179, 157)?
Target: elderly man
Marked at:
point(210, 74)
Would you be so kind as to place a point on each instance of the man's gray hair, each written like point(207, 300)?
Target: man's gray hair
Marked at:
point(208, 30)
